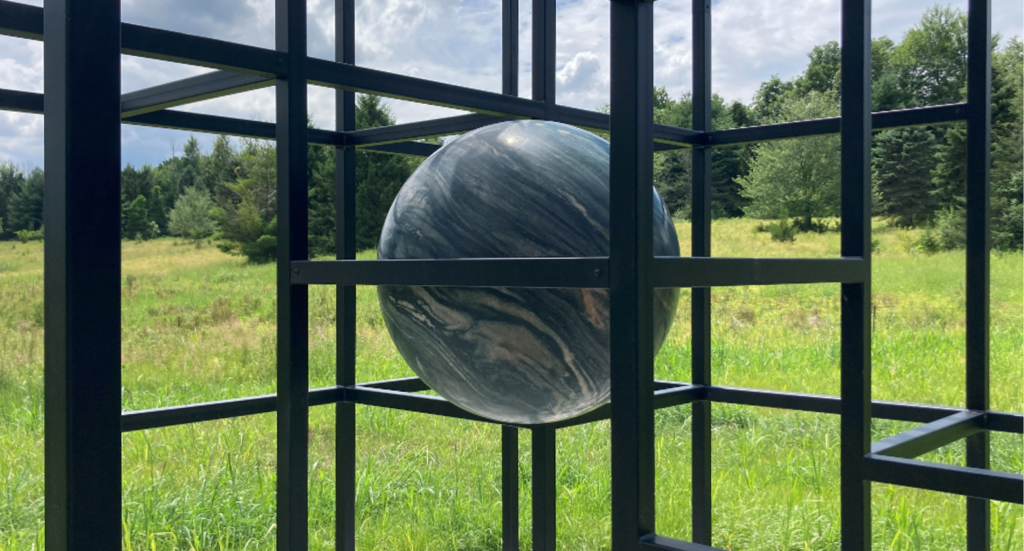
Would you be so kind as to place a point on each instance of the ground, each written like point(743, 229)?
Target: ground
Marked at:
point(198, 325)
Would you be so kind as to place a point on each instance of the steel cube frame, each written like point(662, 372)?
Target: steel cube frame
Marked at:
point(84, 107)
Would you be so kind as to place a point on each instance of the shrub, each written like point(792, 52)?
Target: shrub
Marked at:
point(782, 231)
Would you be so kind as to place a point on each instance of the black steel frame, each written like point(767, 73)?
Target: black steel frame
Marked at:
point(84, 108)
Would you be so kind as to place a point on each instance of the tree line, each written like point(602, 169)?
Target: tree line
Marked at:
point(228, 194)
point(919, 174)
point(918, 180)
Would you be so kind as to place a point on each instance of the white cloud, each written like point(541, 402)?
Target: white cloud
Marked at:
point(459, 42)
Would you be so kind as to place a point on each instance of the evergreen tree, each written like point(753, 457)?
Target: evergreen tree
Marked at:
point(902, 161)
point(190, 216)
point(158, 210)
point(379, 176)
point(25, 207)
point(11, 180)
point(137, 224)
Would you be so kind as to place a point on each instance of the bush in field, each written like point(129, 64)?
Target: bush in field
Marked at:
point(190, 216)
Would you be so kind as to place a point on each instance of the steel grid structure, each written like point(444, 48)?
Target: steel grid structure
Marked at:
point(84, 110)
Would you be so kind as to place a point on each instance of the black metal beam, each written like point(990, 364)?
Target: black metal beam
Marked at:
point(700, 304)
point(419, 403)
point(416, 130)
point(151, 43)
point(591, 272)
point(951, 479)
point(361, 79)
point(979, 244)
point(544, 488)
point(196, 413)
point(292, 299)
point(631, 261)
point(921, 440)
point(24, 102)
point(655, 542)
point(405, 384)
point(345, 249)
point(21, 20)
point(509, 488)
point(82, 284)
point(719, 272)
point(882, 120)
point(190, 90)
point(855, 241)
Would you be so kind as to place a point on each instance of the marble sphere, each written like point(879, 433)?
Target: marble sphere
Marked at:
point(513, 189)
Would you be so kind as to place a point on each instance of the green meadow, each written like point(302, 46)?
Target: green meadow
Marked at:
point(198, 325)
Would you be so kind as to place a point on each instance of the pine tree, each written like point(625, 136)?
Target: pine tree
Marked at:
point(25, 208)
point(158, 210)
point(190, 216)
point(903, 160)
point(137, 224)
point(379, 176)
point(11, 180)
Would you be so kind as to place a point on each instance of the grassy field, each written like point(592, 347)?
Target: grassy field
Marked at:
point(199, 325)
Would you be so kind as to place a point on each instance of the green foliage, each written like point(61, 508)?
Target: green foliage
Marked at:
point(903, 160)
point(798, 177)
point(136, 221)
point(30, 235)
point(673, 169)
point(378, 176)
point(25, 207)
point(782, 230)
point(191, 216)
point(245, 212)
point(11, 179)
point(931, 61)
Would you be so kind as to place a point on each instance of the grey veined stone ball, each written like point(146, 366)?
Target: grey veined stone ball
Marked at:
point(514, 189)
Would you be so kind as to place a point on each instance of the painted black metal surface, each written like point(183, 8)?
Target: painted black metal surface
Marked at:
point(82, 272)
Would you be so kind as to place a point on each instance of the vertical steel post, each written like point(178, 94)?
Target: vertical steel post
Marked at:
point(345, 248)
point(510, 489)
point(855, 139)
point(292, 300)
point(82, 291)
point(543, 54)
point(544, 488)
point(631, 259)
point(510, 47)
point(701, 297)
point(510, 435)
point(979, 127)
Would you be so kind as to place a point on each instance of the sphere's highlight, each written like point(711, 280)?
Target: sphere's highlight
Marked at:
point(514, 189)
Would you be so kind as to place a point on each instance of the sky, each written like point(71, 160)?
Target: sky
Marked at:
point(459, 42)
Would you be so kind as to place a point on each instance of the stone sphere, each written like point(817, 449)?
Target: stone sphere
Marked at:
point(514, 189)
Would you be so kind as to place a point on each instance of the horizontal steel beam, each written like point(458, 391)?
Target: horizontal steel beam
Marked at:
point(588, 272)
point(881, 120)
point(21, 20)
point(419, 403)
point(1004, 422)
point(372, 81)
point(667, 394)
point(190, 90)
point(950, 479)
point(664, 396)
point(931, 436)
point(24, 21)
point(423, 129)
point(718, 272)
point(654, 542)
point(30, 102)
point(405, 384)
point(24, 102)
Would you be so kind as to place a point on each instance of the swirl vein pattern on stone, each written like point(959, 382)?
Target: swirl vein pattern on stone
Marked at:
point(514, 189)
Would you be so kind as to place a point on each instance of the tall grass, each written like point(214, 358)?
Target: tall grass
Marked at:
point(198, 325)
